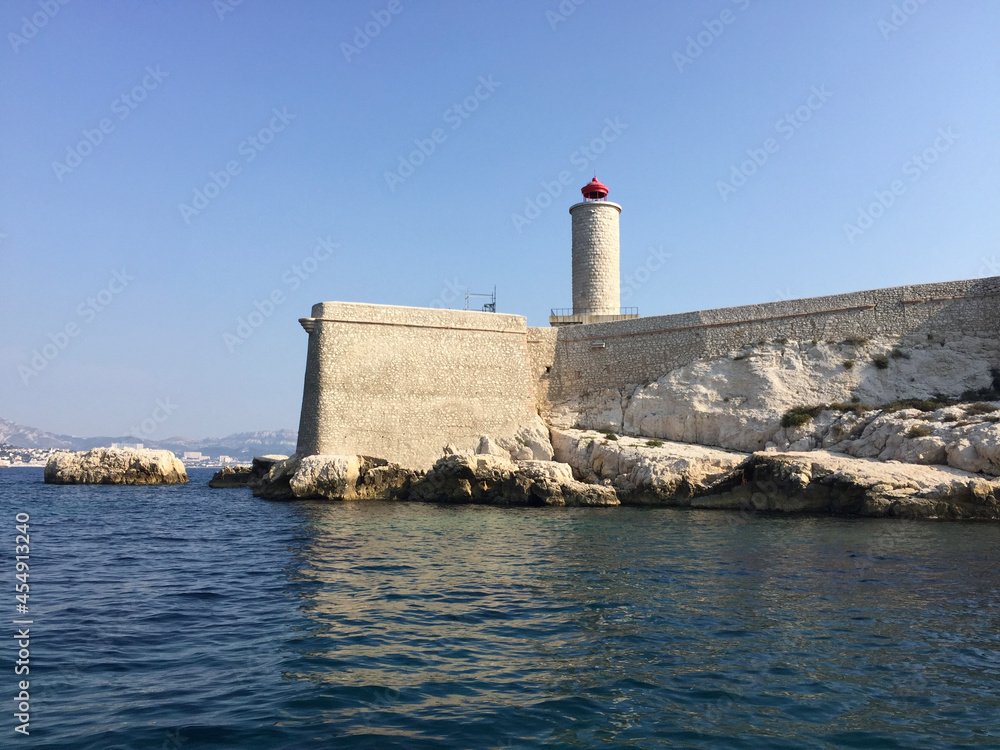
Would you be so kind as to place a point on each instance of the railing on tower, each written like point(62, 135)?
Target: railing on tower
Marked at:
point(566, 311)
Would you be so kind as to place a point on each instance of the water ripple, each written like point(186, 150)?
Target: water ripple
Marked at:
point(185, 617)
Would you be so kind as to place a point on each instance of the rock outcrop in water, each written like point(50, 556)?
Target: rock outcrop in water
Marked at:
point(244, 476)
point(835, 484)
point(335, 478)
point(644, 471)
point(494, 480)
point(115, 466)
point(647, 471)
point(456, 478)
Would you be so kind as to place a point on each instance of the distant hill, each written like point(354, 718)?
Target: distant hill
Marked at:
point(243, 445)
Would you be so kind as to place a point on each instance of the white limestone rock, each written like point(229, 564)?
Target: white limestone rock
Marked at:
point(489, 447)
point(115, 466)
point(835, 484)
point(331, 477)
point(494, 480)
point(529, 442)
point(737, 401)
point(641, 473)
point(551, 470)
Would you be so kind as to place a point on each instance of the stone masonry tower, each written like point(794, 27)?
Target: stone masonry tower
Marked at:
point(596, 276)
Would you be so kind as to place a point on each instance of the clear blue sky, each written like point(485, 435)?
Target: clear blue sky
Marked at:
point(182, 87)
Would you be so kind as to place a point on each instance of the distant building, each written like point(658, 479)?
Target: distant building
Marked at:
point(192, 456)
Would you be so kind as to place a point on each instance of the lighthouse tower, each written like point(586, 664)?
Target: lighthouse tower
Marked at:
point(596, 279)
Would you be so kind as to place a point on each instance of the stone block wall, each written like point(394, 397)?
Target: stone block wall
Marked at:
point(615, 355)
point(401, 382)
point(596, 275)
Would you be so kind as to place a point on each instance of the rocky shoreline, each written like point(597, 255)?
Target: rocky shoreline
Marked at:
point(590, 468)
point(593, 469)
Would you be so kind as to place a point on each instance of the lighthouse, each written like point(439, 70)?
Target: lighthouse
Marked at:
point(595, 250)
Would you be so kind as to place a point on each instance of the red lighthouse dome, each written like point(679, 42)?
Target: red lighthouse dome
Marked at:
point(595, 190)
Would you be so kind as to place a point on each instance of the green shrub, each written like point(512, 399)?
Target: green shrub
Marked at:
point(899, 354)
point(979, 408)
point(919, 431)
point(848, 364)
point(949, 418)
point(609, 435)
point(881, 361)
point(654, 443)
point(857, 340)
point(800, 415)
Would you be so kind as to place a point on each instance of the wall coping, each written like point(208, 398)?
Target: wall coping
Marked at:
point(413, 317)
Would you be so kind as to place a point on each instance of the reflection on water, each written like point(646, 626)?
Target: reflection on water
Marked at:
point(182, 617)
point(493, 627)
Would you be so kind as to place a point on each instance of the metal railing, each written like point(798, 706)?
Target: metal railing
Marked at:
point(568, 311)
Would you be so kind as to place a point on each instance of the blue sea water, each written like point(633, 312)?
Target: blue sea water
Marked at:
point(184, 617)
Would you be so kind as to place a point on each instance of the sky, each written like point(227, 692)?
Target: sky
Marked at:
point(181, 181)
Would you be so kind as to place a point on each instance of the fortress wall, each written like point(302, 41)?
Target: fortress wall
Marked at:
point(541, 355)
point(590, 358)
point(402, 382)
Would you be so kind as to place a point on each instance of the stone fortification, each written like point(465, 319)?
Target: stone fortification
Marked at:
point(616, 357)
point(400, 383)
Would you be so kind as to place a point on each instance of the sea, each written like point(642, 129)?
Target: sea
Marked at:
point(187, 617)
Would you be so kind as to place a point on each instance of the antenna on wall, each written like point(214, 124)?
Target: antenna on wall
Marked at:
point(490, 306)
